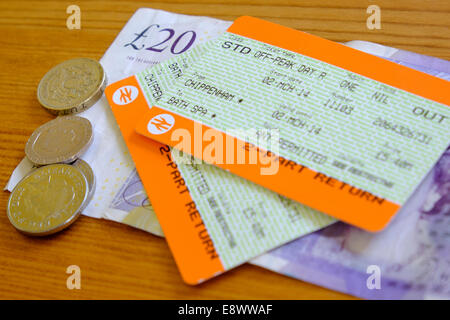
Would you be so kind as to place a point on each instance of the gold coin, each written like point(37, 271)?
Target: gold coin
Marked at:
point(86, 169)
point(72, 86)
point(47, 200)
point(61, 140)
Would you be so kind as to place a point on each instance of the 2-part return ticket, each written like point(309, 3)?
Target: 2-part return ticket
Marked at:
point(346, 133)
point(213, 220)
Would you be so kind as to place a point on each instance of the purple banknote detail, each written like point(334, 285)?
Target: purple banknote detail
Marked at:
point(412, 254)
point(131, 194)
point(434, 66)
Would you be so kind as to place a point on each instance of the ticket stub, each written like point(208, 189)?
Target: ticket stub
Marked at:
point(357, 133)
point(213, 220)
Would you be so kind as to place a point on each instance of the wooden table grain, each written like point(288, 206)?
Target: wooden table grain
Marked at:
point(116, 261)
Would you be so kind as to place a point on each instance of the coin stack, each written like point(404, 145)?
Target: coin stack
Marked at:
point(53, 194)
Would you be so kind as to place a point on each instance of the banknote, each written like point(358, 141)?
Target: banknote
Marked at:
point(149, 37)
point(132, 206)
point(411, 257)
point(431, 65)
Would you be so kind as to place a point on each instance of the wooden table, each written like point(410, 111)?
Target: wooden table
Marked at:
point(118, 261)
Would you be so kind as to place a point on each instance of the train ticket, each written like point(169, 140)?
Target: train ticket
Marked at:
point(339, 130)
point(213, 220)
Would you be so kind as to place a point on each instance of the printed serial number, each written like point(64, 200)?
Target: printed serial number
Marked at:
point(402, 130)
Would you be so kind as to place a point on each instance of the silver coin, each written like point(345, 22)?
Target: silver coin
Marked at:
point(86, 169)
point(72, 86)
point(47, 200)
point(61, 140)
